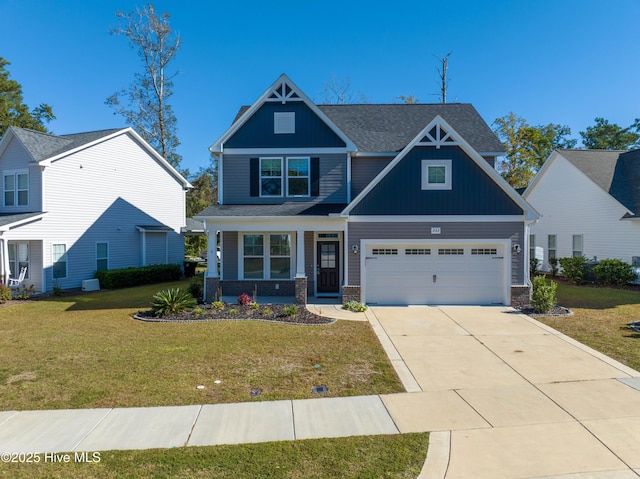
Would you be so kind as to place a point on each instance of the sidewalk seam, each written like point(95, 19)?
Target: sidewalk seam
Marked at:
point(74, 448)
point(193, 426)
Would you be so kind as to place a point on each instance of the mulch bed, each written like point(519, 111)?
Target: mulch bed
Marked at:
point(555, 311)
point(268, 312)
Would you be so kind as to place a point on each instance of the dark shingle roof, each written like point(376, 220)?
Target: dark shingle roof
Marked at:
point(285, 209)
point(9, 218)
point(617, 172)
point(42, 145)
point(390, 127)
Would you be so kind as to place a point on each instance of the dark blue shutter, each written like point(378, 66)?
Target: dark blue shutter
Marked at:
point(315, 176)
point(254, 177)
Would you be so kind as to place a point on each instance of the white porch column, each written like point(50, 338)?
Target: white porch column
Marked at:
point(212, 253)
point(300, 272)
point(4, 261)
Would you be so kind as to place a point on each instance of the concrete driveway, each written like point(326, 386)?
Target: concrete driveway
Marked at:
point(507, 397)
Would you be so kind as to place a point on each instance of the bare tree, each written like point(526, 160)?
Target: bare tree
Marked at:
point(146, 105)
point(444, 80)
point(340, 92)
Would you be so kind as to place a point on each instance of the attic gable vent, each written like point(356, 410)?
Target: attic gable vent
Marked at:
point(284, 122)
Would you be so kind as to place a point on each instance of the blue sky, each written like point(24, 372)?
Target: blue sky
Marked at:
point(561, 61)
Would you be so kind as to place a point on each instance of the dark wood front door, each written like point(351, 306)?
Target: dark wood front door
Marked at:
point(328, 267)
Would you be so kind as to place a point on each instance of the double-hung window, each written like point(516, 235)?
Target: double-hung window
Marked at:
point(577, 246)
point(270, 176)
point(552, 250)
point(266, 256)
point(102, 256)
point(16, 188)
point(298, 176)
point(59, 260)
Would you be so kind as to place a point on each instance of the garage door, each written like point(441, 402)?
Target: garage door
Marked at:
point(434, 274)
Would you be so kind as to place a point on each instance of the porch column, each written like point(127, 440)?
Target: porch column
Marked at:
point(301, 277)
point(212, 280)
point(300, 272)
point(4, 261)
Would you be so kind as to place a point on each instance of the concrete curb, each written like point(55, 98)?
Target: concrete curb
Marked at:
point(437, 463)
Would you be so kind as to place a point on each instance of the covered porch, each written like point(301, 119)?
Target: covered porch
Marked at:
point(299, 255)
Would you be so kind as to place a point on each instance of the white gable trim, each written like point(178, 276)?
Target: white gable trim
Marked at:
point(451, 137)
point(282, 90)
point(6, 139)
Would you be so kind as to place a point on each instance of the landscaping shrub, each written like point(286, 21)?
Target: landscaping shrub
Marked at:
point(5, 293)
point(125, 278)
point(290, 310)
point(574, 268)
point(355, 306)
point(613, 272)
point(543, 297)
point(171, 301)
point(196, 286)
point(217, 305)
point(25, 292)
point(534, 265)
point(244, 299)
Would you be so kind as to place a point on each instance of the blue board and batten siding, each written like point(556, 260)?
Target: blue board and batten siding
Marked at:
point(473, 192)
point(237, 182)
point(310, 131)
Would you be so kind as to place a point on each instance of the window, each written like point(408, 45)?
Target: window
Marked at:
point(298, 176)
point(284, 122)
point(253, 256)
point(102, 256)
point(532, 247)
point(451, 251)
point(551, 246)
point(18, 258)
point(577, 246)
point(270, 176)
point(436, 174)
point(417, 251)
point(385, 251)
point(484, 251)
point(280, 256)
point(16, 188)
point(59, 259)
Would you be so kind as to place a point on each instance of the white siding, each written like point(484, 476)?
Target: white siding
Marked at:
point(101, 194)
point(571, 204)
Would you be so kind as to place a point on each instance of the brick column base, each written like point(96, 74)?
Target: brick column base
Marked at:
point(301, 290)
point(351, 293)
point(212, 285)
point(520, 296)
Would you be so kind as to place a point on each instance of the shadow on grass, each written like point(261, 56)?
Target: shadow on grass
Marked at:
point(596, 297)
point(127, 298)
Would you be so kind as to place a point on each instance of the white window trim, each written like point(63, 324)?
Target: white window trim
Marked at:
point(107, 257)
point(266, 256)
point(16, 190)
point(66, 255)
point(308, 177)
point(282, 176)
point(16, 264)
point(284, 122)
point(555, 246)
point(425, 175)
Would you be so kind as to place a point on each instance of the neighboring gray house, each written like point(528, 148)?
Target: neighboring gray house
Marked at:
point(74, 204)
point(385, 204)
point(589, 202)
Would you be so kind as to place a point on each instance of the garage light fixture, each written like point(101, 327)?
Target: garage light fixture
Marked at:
point(354, 248)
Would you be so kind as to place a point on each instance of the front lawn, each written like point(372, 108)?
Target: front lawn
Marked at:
point(86, 351)
point(600, 320)
point(397, 456)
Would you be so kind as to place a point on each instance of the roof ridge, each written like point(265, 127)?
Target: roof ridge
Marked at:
point(93, 131)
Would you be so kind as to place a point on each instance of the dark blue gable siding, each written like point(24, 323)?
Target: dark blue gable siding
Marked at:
point(310, 131)
point(473, 192)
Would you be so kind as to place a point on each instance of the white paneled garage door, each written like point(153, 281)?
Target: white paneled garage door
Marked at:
point(434, 273)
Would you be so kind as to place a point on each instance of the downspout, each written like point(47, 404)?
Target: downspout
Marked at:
point(527, 265)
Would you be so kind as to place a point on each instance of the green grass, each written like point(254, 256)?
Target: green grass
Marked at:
point(86, 351)
point(399, 456)
point(600, 320)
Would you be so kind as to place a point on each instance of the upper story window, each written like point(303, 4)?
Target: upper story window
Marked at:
point(16, 188)
point(436, 174)
point(284, 122)
point(298, 176)
point(270, 176)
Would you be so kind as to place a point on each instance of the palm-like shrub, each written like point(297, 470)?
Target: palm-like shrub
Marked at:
point(172, 301)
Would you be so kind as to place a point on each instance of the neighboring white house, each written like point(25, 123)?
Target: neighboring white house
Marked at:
point(75, 204)
point(589, 202)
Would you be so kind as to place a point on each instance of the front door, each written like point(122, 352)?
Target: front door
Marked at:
point(328, 267)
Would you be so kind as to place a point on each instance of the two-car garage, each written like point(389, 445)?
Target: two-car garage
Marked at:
point(435, 273)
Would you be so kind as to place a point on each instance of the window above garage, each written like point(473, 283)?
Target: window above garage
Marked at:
point(436, 174)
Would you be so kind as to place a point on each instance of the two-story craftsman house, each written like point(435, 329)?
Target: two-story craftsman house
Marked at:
point(384, 204)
